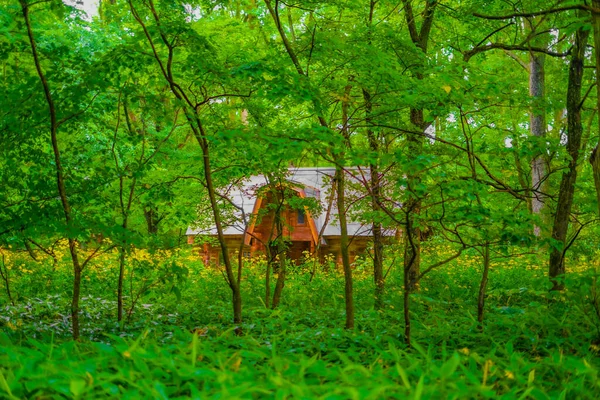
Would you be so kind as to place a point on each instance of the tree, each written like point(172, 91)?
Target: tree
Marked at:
point(420, 39)
point(55, 123)
point(569, 177)
point(334, 154)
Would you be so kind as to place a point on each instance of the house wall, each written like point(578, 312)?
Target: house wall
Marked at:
point(211, 253)
point(293, 229)
point(356, 247)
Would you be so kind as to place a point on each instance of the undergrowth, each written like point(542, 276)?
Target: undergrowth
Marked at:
point(178, 341)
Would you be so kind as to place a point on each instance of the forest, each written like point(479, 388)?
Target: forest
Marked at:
point(463, 136)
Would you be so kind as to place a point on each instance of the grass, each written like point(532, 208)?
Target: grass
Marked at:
point(180, 343)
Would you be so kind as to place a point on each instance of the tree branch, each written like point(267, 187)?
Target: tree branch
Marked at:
point(476, 50)
point(536, 13)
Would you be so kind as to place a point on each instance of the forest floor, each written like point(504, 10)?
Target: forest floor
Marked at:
point(179, 342)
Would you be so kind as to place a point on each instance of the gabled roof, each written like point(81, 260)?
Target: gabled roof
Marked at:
point(315, 182)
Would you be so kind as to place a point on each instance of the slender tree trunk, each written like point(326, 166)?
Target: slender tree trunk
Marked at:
point(483, 285)
point(276, 228)
point(195, 123)
point(341, 205)
point(595, 156)
point(234, 283)
point(378, 275)
point(406, 308)
point(124, 205)
point(567, 185)
point(595, 161)
point(408, 284)
point(280, 283)
point(60, 180)
point(337, 158)
point(152, 219)
point(6, 278)
point(268, 282)
point(125, 209)
point(537, 123)
point(281, 248)
point(412, 248)
point(340, 178)
point(120, 283)
point(30, 251)
point(316, 261)
point(375, 183)
point(420, 38)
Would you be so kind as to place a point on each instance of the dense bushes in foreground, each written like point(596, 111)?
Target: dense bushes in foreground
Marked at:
point(178, 342)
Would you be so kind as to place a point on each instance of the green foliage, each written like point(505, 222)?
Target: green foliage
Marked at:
point(177, 348)
point(147, 91)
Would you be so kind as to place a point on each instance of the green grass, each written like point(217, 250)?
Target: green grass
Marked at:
point(535, 344)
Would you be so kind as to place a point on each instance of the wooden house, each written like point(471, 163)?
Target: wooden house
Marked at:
point(315, 233)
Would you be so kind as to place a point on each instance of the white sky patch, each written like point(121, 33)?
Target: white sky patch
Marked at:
point(564, 139)
point(448, 52)
point(194, 12)
point(430, 132)
point(554, 33)
point(90, 7)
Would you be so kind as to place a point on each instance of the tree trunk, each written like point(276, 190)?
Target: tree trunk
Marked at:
point(76, 293)
point(412, 248)
point(483, 285)
point(340, 178)
point(268, 282)
point(6, 278)
point(406, 308)
point(60, 180)
point(567, 185)
point(337, 159)
point(341, 206)
point(375, 189)
point(237, 307)
point(120, 283)
point(281, 248)
point(537, 123)
point(280, 283)
point(595, 161)
point(195, 123)
point(595, 156)
point(408, 281)
point(152, 219)
point(420, 38)
point(375, 183)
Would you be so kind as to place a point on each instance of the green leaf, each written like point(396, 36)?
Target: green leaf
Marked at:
point(449, 367)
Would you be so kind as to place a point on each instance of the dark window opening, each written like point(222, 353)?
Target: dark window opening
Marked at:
point(301, 217)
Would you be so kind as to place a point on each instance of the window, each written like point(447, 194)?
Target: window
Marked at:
point(301, 217)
